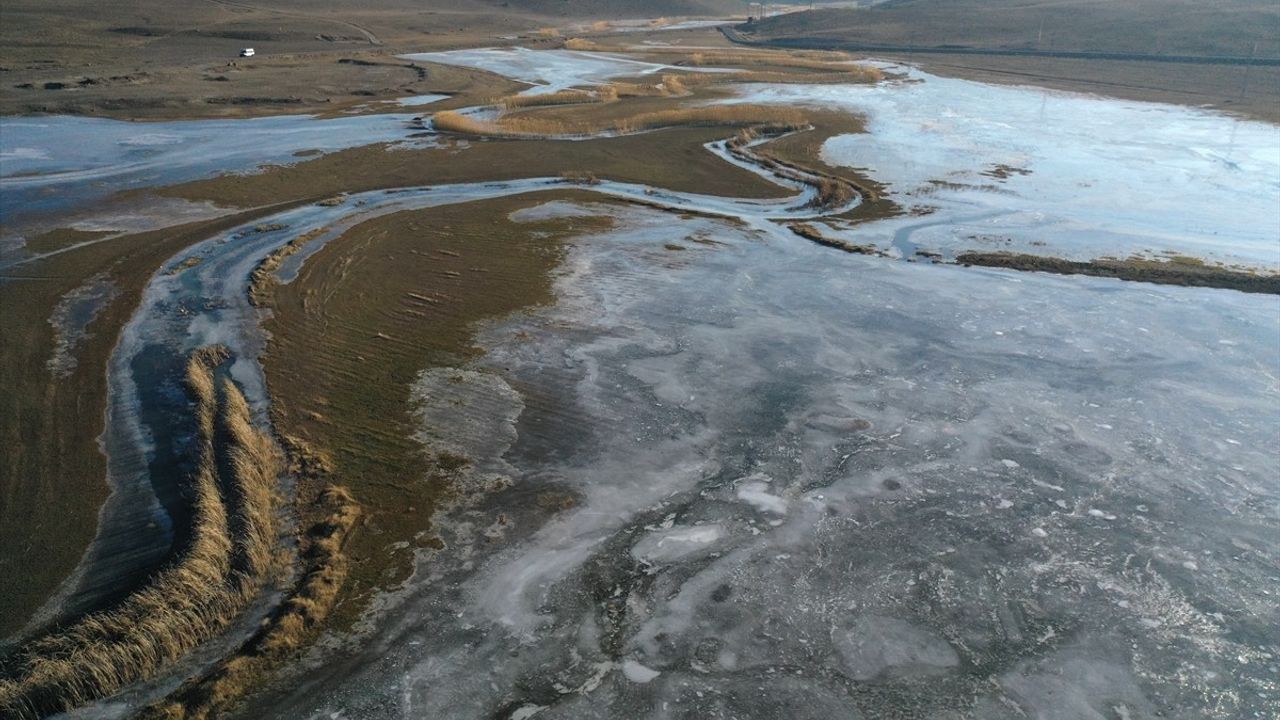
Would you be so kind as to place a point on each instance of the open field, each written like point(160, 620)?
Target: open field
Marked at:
point(157, 59)
point(1160, 27)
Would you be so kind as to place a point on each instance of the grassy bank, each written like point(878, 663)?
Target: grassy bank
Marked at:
point(232, 552)
point(53, 470)
point(673, 159)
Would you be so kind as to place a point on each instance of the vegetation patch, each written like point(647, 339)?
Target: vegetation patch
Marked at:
point(1177, 271)
point(813, 234)
point(605, 93)
point(330, 516)
point(263, 277)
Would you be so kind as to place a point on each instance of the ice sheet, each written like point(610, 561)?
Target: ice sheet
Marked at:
point(1056, 173)
point(790, 482)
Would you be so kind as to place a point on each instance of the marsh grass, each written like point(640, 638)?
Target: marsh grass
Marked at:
point(813, 234)
point(533, 126)
point(263, 277)
point(325, 569)
point(230, 555)
point(605, 93)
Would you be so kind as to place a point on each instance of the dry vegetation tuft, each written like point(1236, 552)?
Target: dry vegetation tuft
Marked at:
point(263, 278)
point(832, 193)
point(231, 553)
point(325, 568)
point(579, 177)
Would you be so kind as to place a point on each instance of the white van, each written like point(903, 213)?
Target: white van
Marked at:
point(247, 52)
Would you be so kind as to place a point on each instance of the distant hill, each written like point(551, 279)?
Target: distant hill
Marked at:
point(1171, 27)
point(605, 9)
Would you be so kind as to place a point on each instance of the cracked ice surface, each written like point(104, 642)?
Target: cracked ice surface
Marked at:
point(758, 479)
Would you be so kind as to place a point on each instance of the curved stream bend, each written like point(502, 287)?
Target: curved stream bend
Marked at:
point(200, 298)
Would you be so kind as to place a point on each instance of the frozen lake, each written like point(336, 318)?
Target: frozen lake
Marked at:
point(774, 481)
point(1052, 173)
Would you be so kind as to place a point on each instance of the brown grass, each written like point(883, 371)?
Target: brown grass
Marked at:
point(628, 89)
point(832, 193)
point(778, 66)
point(579, 177)
point(606, 93)
point(674, 85)
point(532, 126)
point(582, 43)
point(294, 622)
point(231, 553)
point(1175, 271)
point(813, 234)
point(263, 279)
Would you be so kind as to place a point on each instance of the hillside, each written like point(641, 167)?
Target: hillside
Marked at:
point(1228, 27)
point(70, 32)
point(1024, 42)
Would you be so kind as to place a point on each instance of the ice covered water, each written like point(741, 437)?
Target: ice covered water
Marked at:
point(775, 481)
point(1056, 173)
point(58, 162)
point(547, 70)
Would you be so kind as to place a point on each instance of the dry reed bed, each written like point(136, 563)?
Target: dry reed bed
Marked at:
point(852, 74)
point(532, 126)
point(263, 278)
point(603, 94)
point(232, 552)
point(325, 568)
